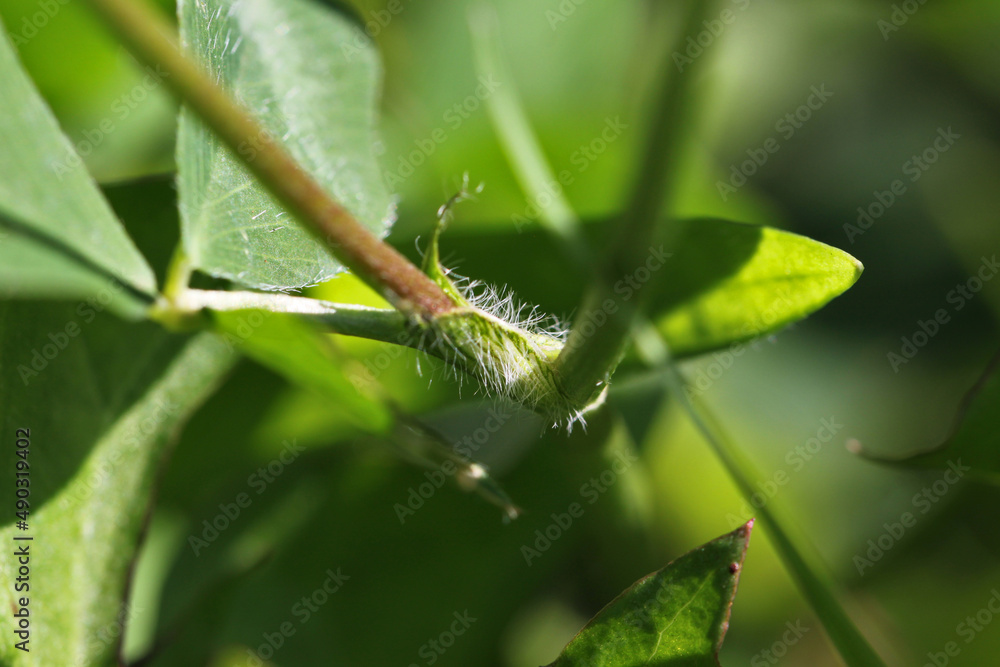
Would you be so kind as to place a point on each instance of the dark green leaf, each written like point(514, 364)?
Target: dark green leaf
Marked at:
point(675, 616)
point(101, 406)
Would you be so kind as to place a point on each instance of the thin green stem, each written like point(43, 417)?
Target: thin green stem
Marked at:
point(148, 37)
point(519, 142)
point(527, 159)
point(592, 352)
point(800, 560)
point(381, 324)
point(423, 446)
point(178, 274)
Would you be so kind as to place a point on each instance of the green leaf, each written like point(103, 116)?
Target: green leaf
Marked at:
point(973, 447)
point(311, 78)
point(801, 561)
point(293, 348)
point(725, 282)
point(58, 236)
point(100, 414)
point(342, 498)
point(729, 282)
point(674, 616)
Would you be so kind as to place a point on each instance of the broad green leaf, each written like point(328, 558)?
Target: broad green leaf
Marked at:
point(304, 355)
point(674, 616)
point(728, 282)
point(973, 448)
point(58, 236)
point(100, 414)
point(724, 282)
point(311, 78)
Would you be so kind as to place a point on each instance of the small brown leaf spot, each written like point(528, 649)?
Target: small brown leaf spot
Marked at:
point(734, 568)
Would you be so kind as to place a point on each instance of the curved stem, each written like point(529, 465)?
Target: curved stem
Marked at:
point(592, 352)
point(519, 142)
point(378, 264)
point(801, 562)
point(805, 567)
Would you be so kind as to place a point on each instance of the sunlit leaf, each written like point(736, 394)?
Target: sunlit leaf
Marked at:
point(714, 284)
point(728, 282)
point(311, 78)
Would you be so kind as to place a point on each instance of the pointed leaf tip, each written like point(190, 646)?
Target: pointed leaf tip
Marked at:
point(679, 613)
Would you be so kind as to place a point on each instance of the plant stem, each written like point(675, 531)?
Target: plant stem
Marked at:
point(147, 35)
point(519, 142)
point(178, 274)
point(380, 324)
point(801, 562)
point(589, 358)
point(527, 158)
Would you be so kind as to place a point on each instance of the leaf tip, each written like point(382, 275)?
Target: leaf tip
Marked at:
point(859, 268)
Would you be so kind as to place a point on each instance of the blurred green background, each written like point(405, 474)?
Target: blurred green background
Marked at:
point(578, 66)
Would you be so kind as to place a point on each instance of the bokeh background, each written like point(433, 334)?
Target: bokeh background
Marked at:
point(578, 66)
